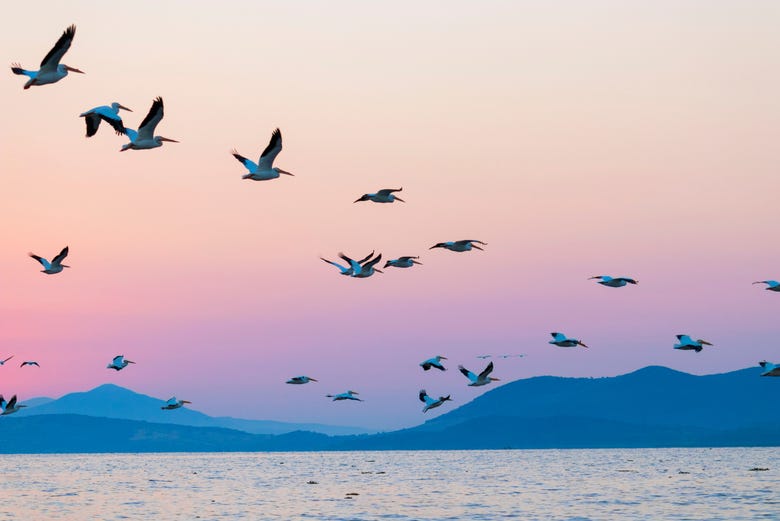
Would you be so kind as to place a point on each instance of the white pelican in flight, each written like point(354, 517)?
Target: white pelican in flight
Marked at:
point(298, 380)
point(51, 70)
point(30, 362)
point(402, 262)
point(264, 169)
point(382, 196)
point(464, 245)
point(363, 268)
point(480, 379)
point(173, 403)
point(352, 264)
point(10, 406)
point(56, 265)
point(771, 285)
point(349, 395)
point(434, 362)
point(560, 340)
point(770, 369)
point(119, 363)
point(107, 113)
point(617, 282)
point(7, 359)
point(689, 344)
point(429, 402)
point(144, 138)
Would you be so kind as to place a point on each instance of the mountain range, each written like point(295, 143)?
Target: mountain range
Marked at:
point(651, 407)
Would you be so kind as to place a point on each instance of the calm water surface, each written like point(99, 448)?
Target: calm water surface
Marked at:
point(654, 484)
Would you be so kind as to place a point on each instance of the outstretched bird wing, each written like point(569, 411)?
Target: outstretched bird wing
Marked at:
point(152, 119)
point(487, 371)
point(271, 151)
point(468, 374)
point(11, 402)
point(52, 59)
point(60, 256)
point(248, 163)
point(387, 191)
point(46, 264)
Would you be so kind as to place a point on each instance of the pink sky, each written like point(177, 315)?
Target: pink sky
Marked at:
point(575, 138)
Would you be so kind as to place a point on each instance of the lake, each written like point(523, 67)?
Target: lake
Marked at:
point(625, 484)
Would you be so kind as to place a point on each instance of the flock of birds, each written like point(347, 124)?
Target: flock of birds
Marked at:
point(52, 71)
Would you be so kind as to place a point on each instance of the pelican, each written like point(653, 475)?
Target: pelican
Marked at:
point(429, 402)
point(7, 359)
point(617, 282)
point(484, 357)
point(402, 262)
point(480, 379)
point(51, 70)
point(56, 265)
point(771, 285)
point(363, 268)
point(382, 196)
point(464, 245)
point(560, 340)
point(434, 362)
point(10, 406)
point(297, 380)
point(173, 403)
point(770, 369)
point(144, 138)
point(352, 264)
point(119, 363)
point(349, 395)
point(688, 344)
point(264, 169)
point(107, 113)
point(30, 362)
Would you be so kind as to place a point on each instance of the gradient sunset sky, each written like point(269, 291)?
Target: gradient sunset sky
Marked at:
point(576, 138)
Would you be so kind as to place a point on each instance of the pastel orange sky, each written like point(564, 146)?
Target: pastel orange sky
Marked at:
point(576, 138)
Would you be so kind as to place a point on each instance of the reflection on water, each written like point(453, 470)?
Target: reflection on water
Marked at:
point(649, 484)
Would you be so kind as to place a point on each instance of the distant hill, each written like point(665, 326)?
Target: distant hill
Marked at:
point(652, 407)
point(112, 401)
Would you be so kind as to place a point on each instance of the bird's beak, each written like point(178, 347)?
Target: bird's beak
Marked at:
point(477, 247)
point(596, 277)
point(443, 357)
point(434, 246)
point(583, 345)
point(125, 108)
point(758, 282)
point(167, 139)
point(705, 342)
point(415, 262)
point(399, 199)
point(286, 172)
point(65, 266)
point(377, 269)
point(494, 379)
point(357, 200)
point(129, 361)
point(313, 380)
point(71, 69)
point(185, 401)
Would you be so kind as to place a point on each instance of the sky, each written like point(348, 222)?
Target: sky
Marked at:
point(576, 138)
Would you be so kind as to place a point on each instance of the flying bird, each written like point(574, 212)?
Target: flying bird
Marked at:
point(560, 340)
point(7, 359)
point(107, 113)
point(119, 363)
point(402, 262)
point(429, 402)
point(382, 196)
point(688, 344)
point(617, 282)
point(363, 268)
point(352, 265)
point(480, 379)
point(298, 380)
point(173, 403)
point(264, 169)
point(349, 395)
point(464, 245)
point(10, 406)
point(770, 369)
point(51, 70)
point(56, 265)
point(144, 138)
point(484, 357)
point(30, 362)
point(771, 285)
point(434, 362)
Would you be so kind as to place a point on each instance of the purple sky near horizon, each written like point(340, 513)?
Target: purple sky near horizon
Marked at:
point(575, 138)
